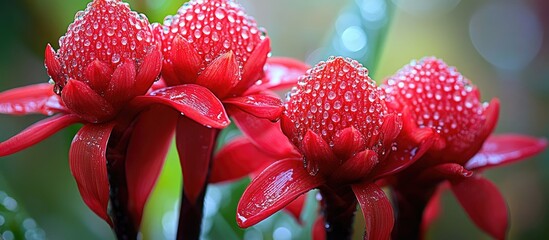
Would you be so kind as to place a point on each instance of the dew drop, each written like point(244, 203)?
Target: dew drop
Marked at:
point(115, 58)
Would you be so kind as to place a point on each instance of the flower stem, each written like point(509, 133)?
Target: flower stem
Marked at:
point(410, 206)
point(195, 145)
point(190, 220)
point(123, 224)
point(338, 207)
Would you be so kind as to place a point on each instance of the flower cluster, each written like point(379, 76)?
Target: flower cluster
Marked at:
point(134, 85)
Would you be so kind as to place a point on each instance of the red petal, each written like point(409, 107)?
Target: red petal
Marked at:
point(319, 231)
point(148, 72)
point(347, 142)
point(36, 133)
point(194, 101)
point(377, 211)
point(121, 87)
point(145, 160)
point(355, 168)
point(259, 105)
point(37, 98)
point(263, 133)
point(186, 61)
point(99, 75)
point(280, 73)
point(237, 159)
point(317, 154)
point(505, 149)
point(411, 143)
point(53, 66)
point(253, 69)
point(81, 99)
point(89, 166)
point(295, 207)
point(432, 210)
point(492, 114)
point(221, 75)
point(446, 171)
point(195, 145)
point(484, 204)
point(273, 189)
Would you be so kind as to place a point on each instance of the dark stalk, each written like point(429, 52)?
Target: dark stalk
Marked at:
point(338, 208)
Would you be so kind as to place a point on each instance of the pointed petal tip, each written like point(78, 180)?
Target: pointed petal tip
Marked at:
point(259, 105)
point(185, 59)
point(221, 75)
point(148, 72)
point(274, 188)
point(53, 66)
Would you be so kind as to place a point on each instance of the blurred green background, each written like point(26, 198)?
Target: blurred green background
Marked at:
point(501, 45)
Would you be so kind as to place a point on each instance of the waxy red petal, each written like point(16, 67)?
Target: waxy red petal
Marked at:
point(88, 165)
point(317, 153)
point(221, 75)
point(147, 149)
point(81, 99)
point(377, 211)
point(492, 114)
point(99, 75)
point(120, 89)
point(273, 189)
point(53, 66)
point(37, 98)
point(194, 101)
point(484, 204)
point(280, 73)
point(195, 145)
point(348, 142)
point(259, 105)
point(238, 158)
point(263, 133)
point(36, 133)
point(411, 143)
point(505, 149)
point(148, 72)
point(253, 68)
point(446, 171)
point(356, 167)
point(185, 60)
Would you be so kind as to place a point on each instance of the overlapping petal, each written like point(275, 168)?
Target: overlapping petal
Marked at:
point(280, 73)
point(505, 149)
point(484, 204)
point(259, 105)
point(263, 133)
point(36, 133)
point(88, 164)
point(195, 145)
point(377, 211)
point(237, 159)
point(194, 101)
point(273, 189)
point(146, 152)
point(37, 98)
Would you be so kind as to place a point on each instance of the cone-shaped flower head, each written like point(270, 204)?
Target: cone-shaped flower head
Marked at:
point(107, 57)
point(337, 116)
point(439, 97)
point(213, 44)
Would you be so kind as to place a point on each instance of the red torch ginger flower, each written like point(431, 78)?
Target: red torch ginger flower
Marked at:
point(107, 57)
point(440, 99)
point(107, 60)
point(338, 120)
point(214, 45)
